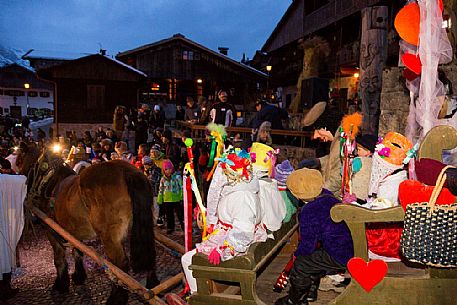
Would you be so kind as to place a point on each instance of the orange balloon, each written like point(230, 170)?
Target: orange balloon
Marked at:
point(407, 23)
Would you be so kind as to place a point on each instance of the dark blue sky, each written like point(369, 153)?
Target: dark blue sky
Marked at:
point(120, 25)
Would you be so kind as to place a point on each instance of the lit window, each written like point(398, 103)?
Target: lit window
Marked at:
point(184, 55)
point(44, 94)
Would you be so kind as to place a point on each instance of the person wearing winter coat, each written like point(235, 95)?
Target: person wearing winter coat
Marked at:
point(170, 196)
point(325, 247)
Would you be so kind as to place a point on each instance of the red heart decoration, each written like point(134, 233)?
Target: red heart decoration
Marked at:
point(409, 75)
point(412, 62)
point(366, 274)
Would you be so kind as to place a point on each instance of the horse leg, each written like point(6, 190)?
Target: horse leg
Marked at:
point(79, 276)
point(62, 282)
point(116, 254)
point(152, 279)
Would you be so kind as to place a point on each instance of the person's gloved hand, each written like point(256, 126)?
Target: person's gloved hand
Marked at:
point(214, 257)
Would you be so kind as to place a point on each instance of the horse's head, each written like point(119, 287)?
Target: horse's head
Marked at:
point(43, 175)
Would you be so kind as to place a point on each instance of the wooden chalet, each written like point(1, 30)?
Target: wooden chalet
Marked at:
point(338, 25)
point(178, 67)
point(89, 88)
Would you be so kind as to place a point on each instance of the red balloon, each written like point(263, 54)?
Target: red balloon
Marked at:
point(412, 62)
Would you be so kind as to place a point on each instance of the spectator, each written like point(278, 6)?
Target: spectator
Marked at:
point(205, 108)
point(120, 120)
point(172, 151)
point(111, 135)
point(222, 111)
point(179, 113)
point(193, 112)
point(122, 152)
point(171, 196)
point(270, 113)
point(141, 131)
point(87, 138)
point(107, 149)
point(157, 118)
point(41, 135)
point(316, 228)
point(100, 134)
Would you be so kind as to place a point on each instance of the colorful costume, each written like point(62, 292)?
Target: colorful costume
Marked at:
point(233, 214)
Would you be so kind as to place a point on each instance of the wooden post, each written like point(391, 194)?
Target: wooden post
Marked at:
point(149, 295)
point(373, 51)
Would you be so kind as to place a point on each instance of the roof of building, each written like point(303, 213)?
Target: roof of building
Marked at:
point(191, 42)
point(52, 55)
point(45, 71)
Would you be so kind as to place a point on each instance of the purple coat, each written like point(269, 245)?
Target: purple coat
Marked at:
point(316, 226)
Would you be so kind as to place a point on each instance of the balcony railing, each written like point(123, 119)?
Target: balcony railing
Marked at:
point(332, 12)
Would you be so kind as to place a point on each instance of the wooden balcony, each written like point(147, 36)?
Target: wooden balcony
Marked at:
point(332, 12)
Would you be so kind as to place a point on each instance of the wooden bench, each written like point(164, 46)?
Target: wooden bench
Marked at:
point(239, 273)
point(415, 285)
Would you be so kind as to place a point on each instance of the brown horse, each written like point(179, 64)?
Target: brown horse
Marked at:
point(107, 200)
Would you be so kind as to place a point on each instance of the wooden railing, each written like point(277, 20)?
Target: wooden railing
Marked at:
point(198, 131)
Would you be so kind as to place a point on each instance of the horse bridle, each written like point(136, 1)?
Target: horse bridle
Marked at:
point(40, 187)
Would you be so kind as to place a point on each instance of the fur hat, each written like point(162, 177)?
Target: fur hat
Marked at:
point(305, 184)
point(283, 170)
point(368, 141)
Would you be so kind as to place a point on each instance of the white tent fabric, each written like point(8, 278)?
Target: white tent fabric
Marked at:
point(12, 194)
point(434, 49)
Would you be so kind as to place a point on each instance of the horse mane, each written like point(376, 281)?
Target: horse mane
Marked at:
point(60, 173)
point(30, 152)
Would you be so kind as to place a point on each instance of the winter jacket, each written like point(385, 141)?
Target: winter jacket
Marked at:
point(170, 189)
point(316, 226)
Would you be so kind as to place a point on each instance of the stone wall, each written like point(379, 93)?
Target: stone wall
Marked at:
point(294, 154)
point(395, 98)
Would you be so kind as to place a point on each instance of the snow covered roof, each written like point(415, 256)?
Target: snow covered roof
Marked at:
point(9, 56)
point(56, 55)
point(125, 65)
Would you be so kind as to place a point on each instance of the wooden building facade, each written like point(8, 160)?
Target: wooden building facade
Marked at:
point(178, 67)
point(89, 88)
point(332, 30)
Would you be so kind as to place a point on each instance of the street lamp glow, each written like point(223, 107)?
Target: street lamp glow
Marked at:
point(199, 81)
point(356, 75)
point(26, 85)
point(268, 68)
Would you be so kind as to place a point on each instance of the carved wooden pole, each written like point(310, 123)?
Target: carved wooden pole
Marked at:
point(373, 51)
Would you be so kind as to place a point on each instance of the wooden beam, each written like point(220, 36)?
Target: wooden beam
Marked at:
point(149, 295)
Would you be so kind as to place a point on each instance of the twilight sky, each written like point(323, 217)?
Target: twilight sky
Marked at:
point(119, 25)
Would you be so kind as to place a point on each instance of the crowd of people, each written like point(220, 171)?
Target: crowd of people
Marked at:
point(248, 194)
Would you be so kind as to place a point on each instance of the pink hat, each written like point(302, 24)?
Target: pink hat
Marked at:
point(167, 164)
